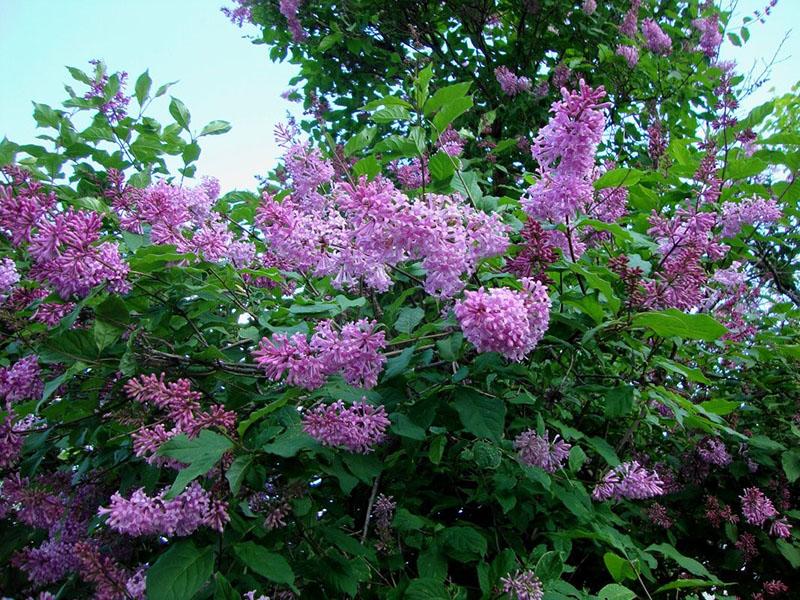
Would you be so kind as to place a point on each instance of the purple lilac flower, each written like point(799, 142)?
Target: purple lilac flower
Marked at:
point(114, 108)
point(240, 13)
point(450, 142)
point(523, 585)
point(10, 442)
point(658, 516)
point(8, 275)
point(539, 451)
point(657, 41)
point(565, 150)
point(629, 53)
point(412, 174)
point(751, 211)
point(510, 83)
point(589, 6)
point(657, 143)
point(713, 451)
point(289, 9)
point(537, 253)
point(383, 513)
point(747, 545)
point(710, 34)
point(21, 381)
point(756, 507)
point(630, 23)
point(628, 480)
point(358, 427)
point(503, 320)
point(780, 528)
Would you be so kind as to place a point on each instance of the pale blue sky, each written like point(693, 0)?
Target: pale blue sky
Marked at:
point(221, 75)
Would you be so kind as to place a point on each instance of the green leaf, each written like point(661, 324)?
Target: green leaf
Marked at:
point(442, 166)
point(464, 544)
point(290, 442)
point(618, 178)
point(791, 464)
point(450, 347)
point(237, 471)
point(422, 83)
point(223, 590)
point(215, 128)
point(789, 552)
point(105, 334)
point(481, 415)
point(8, 151)
point(180, 113)
point(549, 567)
point(426, 588)
point(405, 427)
point(619, 401)
point(267, 564)
point(619, 568)
point(446, 95)
point(615, 591)
point(450, 112)
point(360, 140)
point(180, 572)
point(690, 564)
point(398, 364)
point(408, 319)
point(142, 89)
point(604, 449)
point(391, 113)
point(200, 454)
point(674, 323)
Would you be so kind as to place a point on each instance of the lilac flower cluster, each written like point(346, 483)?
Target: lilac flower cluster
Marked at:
point(21, 381)
point(510, 83)
point(358, 427)
point(658, 516)
point(756, 507)
point(362, 230)
point(751, 211)
point(181, 405)
point(289, 9)
point(589, 6)
point(536, 255)
point(183, 217)
point(504, 320)
point(240, 13)
point(565, 150)
point(8, 275)
point(411, 174)
point(64, 245)
point(629, 53)
point(383, 513)
point(628, 480)
point(114, 108)
point(730, 300)
point(523, 585)
point(450, 142)
point(540, 451)
point(656, 40)
point(713, 451)
point(630, 22)
point(154, 515)
point(710, 34)
point(354, 352)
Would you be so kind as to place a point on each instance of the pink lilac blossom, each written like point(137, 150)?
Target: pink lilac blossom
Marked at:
point(523, 585)
point(775, 587)
point(657, 142)
point(450, 142)
point(21, 381)
point(8, 275)
point(628, 480)
point(111, 581)
point(756, 507)
point(658, 516)
point(355, 352)
point(357, 428)
point(565, 150)
point(115, 107)
point(510, 83)
point(713, 451)
point(657, 41)
point(751, 211)
point(11, 441)
point(145, 515)
point(731, 300)
point(780, 528)
point(589, 6)
point(747, 545)
point(412, 174)
point(22, 205)
point(717, 513)
point(540, 451)
point(504, 320)
point(383, 513)
point(536, 255)
point(289, 9)
point(710, 34)
point(362, 230)
point(239, 13)
point(629, 53)
point(630, 23)
point(747, 138)
point(51, 313)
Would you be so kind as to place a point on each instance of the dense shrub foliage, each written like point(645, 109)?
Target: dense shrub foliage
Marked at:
point(517, 320)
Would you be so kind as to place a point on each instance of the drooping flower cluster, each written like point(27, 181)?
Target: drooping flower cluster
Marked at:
point(115, 106)
point(657, 41)
point(540, 451)
point(182, 407)
point(510, 83)
point(628, 480)
point(154, 515)
point(710, 34)
point(354, 352)
point(357, 428)
point(289, 9)
point(629, 53)
point(565, 150)
point(523, 585)
point(504, 320)
point(362, 230)
point(751, 211)
point(756, 507)
point(65, 246)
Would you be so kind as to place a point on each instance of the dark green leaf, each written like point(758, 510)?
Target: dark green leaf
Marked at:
point(180, 572)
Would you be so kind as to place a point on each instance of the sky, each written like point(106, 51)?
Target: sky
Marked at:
point(220, 73)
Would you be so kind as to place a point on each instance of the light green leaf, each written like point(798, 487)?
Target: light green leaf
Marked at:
point(674, 323)
point(200, 454)
point(215, 128)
